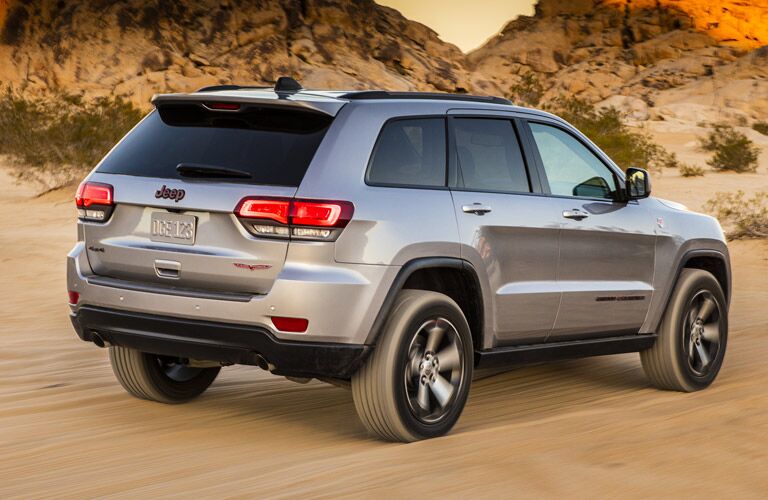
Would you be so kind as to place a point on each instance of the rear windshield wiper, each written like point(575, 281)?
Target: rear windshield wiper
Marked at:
point(199, 170)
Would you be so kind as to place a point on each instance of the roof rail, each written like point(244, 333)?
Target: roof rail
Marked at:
point(385, 94)
point(213, 88)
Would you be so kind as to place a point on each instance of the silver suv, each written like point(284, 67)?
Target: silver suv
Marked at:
point(389, 242)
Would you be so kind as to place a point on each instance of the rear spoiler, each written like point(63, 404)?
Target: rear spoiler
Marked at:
point(307, 102)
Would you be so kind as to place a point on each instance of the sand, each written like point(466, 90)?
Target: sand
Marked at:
point(577, 428)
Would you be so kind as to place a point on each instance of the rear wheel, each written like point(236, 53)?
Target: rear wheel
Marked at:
point(416, 382)
point(691, 346)
point(165, 379)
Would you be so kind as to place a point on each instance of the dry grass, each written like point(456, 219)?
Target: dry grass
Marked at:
point(745, 217)
point(55, 139)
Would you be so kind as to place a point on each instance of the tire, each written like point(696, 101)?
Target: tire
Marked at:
point(690, 348)
point(159, 378)
point(389, 390)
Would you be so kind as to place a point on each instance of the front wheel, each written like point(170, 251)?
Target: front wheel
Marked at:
point(690, 348)
point(416, 382)
point(159, 378)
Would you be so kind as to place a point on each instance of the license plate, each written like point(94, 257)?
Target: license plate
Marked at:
point(173, 228)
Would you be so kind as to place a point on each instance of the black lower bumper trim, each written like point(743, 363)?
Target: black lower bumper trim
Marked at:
point(526, 354)
point(214, 341)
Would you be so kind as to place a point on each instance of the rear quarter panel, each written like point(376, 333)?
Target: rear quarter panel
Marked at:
point(391, 225)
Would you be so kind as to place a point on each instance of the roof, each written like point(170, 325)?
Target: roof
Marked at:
point(328, 102)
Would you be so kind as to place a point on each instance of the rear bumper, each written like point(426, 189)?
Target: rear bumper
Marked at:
point(340, 301)
point(214, 341)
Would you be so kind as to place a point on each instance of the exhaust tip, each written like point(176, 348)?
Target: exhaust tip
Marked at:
point(99, 340)
point(262, 363)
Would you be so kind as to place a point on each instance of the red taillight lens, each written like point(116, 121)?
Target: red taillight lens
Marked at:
point(297, 212)
point(74, 297)
point(93, 193)
point(276, 210)
point(321, 214)
point(296, 325)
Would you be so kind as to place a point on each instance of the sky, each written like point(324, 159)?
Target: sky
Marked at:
point(462, 23)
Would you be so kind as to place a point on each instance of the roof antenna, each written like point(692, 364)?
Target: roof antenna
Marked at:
point(287, 84)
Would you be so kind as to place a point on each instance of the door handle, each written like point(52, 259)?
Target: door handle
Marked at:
point(575, 214)
point(476, 208)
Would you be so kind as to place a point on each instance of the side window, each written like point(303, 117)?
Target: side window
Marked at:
point(571, 168)
point(489, 155)
point(409, 152)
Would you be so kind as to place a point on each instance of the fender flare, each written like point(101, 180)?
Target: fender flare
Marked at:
point(405, 272)
point(686, 257)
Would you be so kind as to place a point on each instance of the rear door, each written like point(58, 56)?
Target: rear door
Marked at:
point(177, 179)
point(607, 247)
point(502, 231)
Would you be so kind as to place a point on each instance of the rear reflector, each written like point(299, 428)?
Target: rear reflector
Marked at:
point(93, 193)
point(74, 297)
point(296, 325)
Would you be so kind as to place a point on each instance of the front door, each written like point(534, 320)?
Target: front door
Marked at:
point(607, 247)
point(503, 230)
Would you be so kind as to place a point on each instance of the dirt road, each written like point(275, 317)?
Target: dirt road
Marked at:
point(578, 428)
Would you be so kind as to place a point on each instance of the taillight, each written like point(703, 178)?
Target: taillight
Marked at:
point(320, 220)
point(276, 210)
point(74, 297)
point(94, 201)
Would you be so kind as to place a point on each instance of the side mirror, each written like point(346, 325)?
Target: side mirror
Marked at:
point(638, 184)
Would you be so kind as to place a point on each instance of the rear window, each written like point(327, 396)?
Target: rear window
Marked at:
point(409, 152)
point(274, 146)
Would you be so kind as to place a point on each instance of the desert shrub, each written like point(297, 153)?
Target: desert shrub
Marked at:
point(606, 128)
point(761, 127)
point(743, 217)
point(732, 150)
point(54, 139)
point(528, 91)
point(688, 170)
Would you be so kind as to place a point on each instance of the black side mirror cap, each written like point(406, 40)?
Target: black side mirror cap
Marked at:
point(638, 184)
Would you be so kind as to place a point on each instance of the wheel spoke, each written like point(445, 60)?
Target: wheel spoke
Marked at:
point(691, 350)
point(707, 307)
point(703, 355)
point(442, 389)
point(413, 363)
point(436, 333)
point(449, 357)
point(712, 333)
point(423, 397)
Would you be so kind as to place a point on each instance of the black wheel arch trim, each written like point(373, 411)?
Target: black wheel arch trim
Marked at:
point(681, 264)
point(409, 269)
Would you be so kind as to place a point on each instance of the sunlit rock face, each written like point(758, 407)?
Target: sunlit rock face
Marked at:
point(662, 55)
point(658, 51)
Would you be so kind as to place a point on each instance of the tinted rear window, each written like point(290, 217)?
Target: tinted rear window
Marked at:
point(275, 146)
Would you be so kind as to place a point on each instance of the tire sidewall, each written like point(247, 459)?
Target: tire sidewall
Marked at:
point(689, 286)
point(432, 309)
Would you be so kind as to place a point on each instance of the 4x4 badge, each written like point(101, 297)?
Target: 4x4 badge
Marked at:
point(170, 194)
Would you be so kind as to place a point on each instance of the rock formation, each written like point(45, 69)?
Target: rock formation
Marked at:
point(136, 48)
